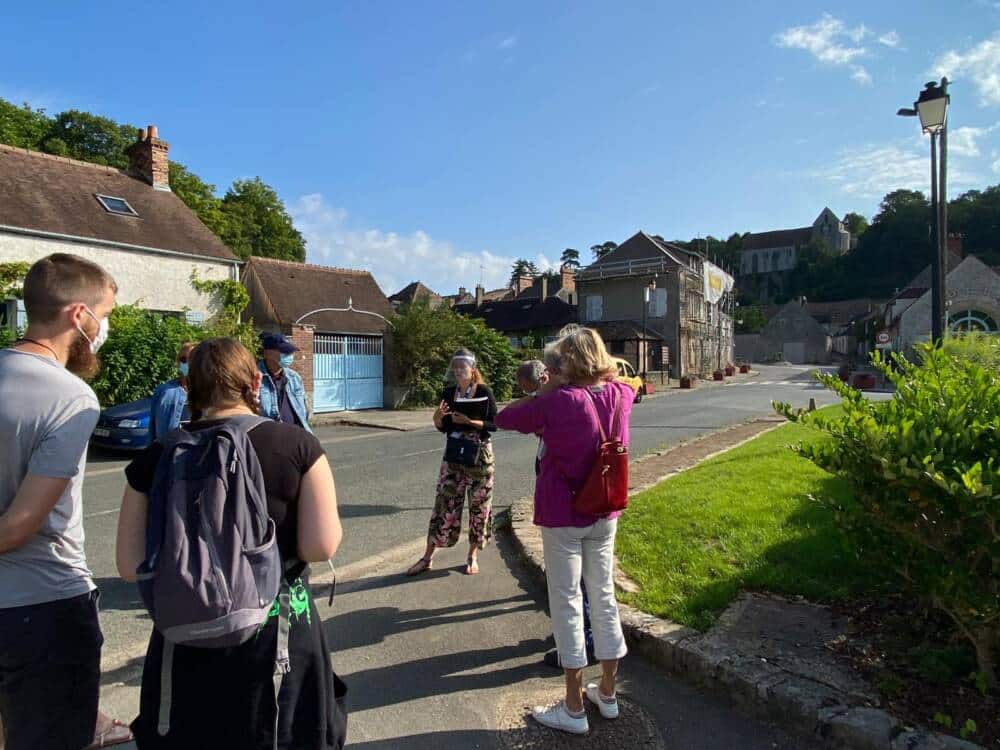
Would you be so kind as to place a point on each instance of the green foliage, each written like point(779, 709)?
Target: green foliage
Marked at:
point(82, 135)
point(140, 353)
point(424, 340)
point(22, 126)
point(570, 257)
point(260, 224)
point(11, 278)
point(856, 224)
point(976, 347)
point(925, 471)
point(229, 299)
point(522, 267)
point(599, 251)
point(750, 319)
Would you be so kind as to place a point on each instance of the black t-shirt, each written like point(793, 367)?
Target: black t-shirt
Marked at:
point(286, 453)
point(483, 391)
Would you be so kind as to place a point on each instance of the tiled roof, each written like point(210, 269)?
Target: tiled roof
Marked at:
point(282, 291)
point(53, 194)
point(778, 238)
point(522, 315)
point(413, 291)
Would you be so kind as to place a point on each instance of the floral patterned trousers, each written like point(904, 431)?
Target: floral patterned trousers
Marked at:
point(454, 482)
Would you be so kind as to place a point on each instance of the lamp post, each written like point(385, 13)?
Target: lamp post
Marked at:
point(647, 293)
point(932, 109)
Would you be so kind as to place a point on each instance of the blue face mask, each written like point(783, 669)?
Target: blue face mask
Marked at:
point(182, 368)
point(287, 360)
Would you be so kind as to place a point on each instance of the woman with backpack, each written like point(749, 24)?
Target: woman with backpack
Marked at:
point(465, 415)
point(575, 420)
point(207, 695)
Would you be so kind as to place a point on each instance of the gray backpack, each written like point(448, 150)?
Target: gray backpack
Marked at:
point(212, 568)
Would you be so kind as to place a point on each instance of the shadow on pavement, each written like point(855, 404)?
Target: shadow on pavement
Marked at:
point(117, 594)
point(478, 738)
point(444, 675)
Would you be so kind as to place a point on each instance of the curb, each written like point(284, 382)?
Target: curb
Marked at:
point(807, 707)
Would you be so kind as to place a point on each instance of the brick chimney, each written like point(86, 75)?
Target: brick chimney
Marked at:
point(545, 288)
point(568, 278)
point(148, 159)
point(524, 282)
point(480, 292)
point(955, 245)
point(462, 291)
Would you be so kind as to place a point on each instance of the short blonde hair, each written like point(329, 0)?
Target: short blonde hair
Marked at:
point(584, 356)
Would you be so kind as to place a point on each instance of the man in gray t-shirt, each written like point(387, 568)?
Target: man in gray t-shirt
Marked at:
point(50, 638)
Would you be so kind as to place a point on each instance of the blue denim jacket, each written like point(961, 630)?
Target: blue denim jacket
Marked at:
point(167, 410)
point(296, 395)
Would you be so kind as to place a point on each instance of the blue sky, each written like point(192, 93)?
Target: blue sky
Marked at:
point(428, 140)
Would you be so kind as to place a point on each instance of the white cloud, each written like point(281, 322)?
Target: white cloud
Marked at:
point(964, 141)
point(996, 166)
point(890, 39)
point(980, 63)
point(396, 259)
point(873, 170)
point(508, 42)
point(834, 43)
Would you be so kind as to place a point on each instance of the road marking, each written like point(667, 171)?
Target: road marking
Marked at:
point(102, 513)
point(102, 472)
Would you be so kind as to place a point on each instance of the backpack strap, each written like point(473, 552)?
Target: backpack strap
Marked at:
point(166, 687)
point(282, 664)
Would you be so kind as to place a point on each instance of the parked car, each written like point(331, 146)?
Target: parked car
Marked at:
point(627, 374)
point(125, 426)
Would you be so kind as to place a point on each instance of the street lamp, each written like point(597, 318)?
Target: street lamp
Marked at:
point(932, 109)
point(647, 294)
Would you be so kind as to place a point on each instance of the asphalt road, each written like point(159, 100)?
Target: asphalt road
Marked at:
point(386, 480)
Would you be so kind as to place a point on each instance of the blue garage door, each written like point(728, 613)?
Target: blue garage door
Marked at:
point(347, 372)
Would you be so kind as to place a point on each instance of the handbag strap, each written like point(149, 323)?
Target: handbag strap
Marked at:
point(615, 418)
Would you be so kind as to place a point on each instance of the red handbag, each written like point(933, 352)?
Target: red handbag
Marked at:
point(606, 487)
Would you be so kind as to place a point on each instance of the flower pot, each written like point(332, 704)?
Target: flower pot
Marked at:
point(730, 371)
point(864, 381)
point(744, 369)
point(717, 375)
point(687, 382)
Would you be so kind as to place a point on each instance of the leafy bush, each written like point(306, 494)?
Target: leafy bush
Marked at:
point(424, 340)
point(925, 470)
point(140, 353)
point(974, 346)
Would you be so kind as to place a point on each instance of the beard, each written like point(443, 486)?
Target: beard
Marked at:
point(81, 361)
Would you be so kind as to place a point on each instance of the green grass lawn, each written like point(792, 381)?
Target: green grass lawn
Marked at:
point(742, 520)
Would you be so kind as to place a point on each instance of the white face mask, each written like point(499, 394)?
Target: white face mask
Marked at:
point(102, 332)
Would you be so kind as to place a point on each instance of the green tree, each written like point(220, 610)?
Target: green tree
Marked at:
point(22, 126)
point(11, 280)
point(200, 197)
point(856, 224)
point(259, 223)
point(750, 319)
point(88, 137)
point(424, 340)
point(522, 267)
point(570, 257)
point(599, 251)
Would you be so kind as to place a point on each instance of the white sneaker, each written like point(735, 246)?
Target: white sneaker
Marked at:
point(557, 717)
point(608, 709)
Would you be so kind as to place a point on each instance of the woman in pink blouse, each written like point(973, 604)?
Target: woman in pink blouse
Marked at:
point(577, 545)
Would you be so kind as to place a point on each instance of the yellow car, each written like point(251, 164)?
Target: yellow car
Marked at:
point(627, 374)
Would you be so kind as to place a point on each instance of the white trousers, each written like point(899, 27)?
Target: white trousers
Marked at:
point(570, 553)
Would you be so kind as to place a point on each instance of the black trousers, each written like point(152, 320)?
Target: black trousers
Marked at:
point(50, 670)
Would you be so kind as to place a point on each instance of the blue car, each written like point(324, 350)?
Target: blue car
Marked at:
point(124, 427)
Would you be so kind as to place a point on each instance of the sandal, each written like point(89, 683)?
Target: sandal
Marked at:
point(113, 733)
point(420, 566)
point(471, 566)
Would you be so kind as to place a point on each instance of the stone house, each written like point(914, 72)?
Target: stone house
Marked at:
point(339, 320)
point(415, 292)
point(972, 302)
point(682, 331)
point(767, 257)
point(127, 221)
point(795, 336)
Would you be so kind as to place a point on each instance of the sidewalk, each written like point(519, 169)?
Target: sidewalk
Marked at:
point(448, 661)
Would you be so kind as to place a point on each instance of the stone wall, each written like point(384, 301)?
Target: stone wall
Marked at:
point(157, 282)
